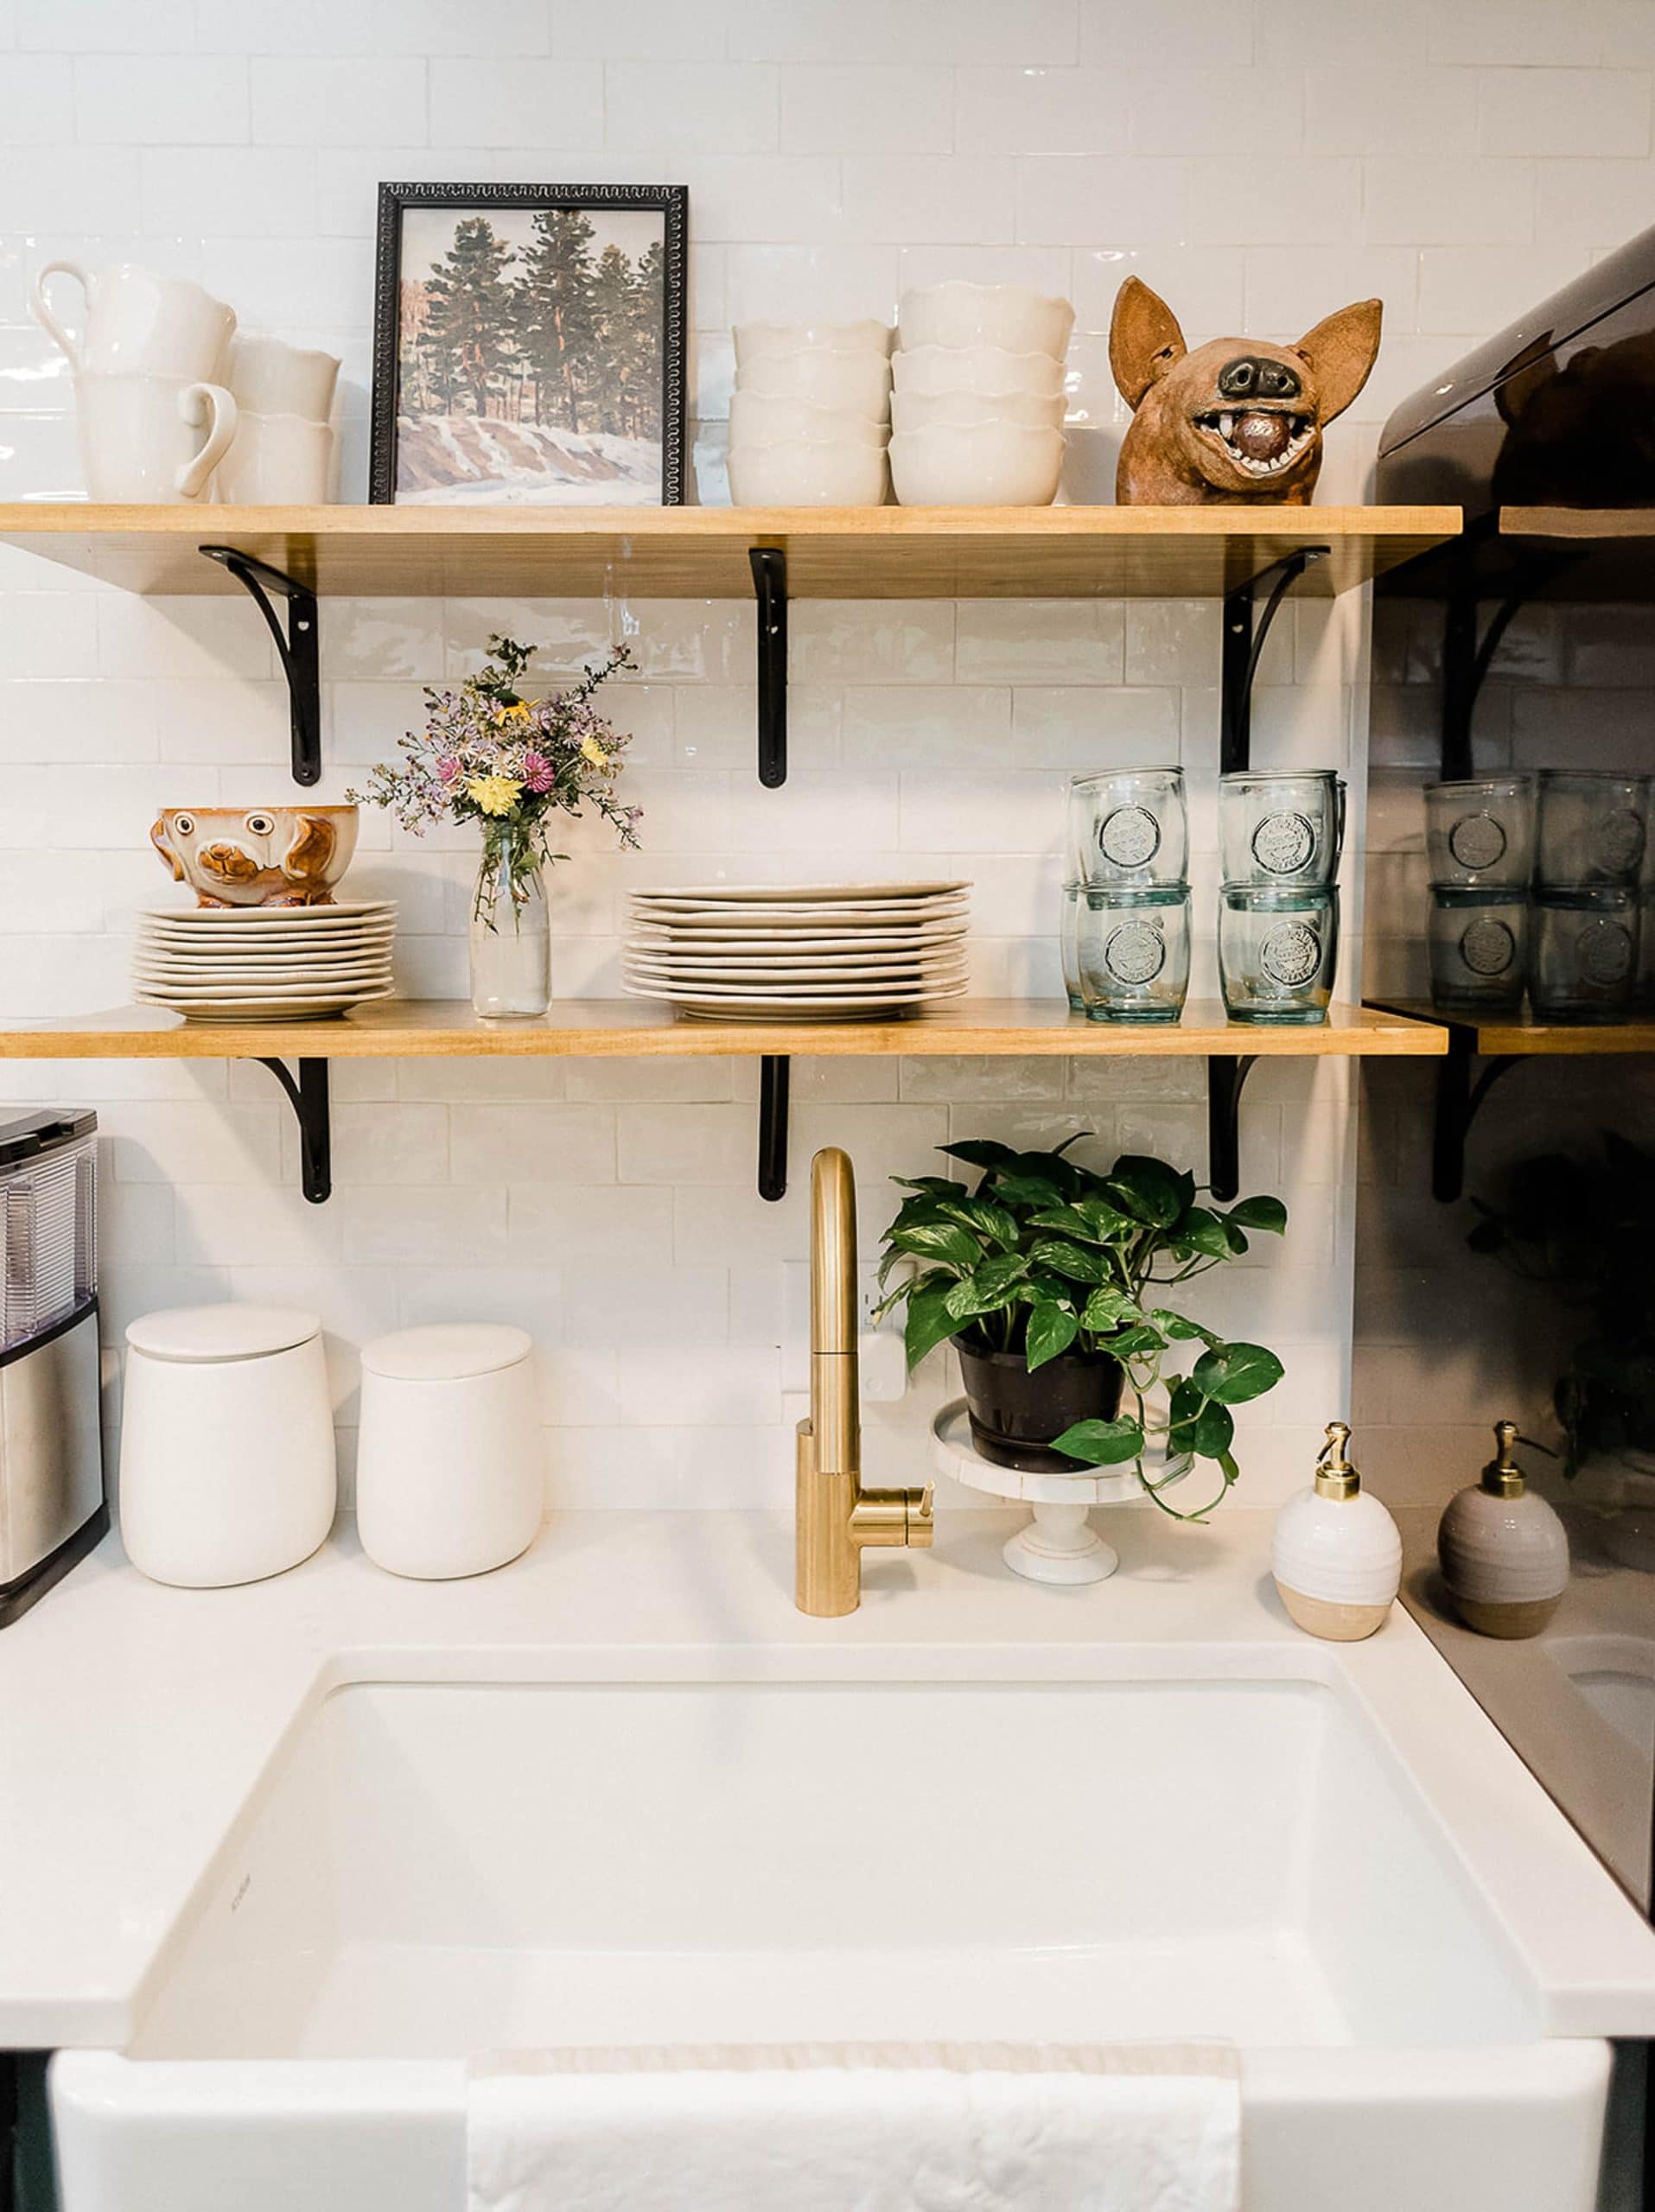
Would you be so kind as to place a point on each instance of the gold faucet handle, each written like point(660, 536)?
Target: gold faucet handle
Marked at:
point(882, 1519)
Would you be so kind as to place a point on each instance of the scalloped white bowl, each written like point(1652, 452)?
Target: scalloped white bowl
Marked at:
point(965, 410)
point(758, 420)
point(984, 370)
point(804, 474)
point(1007, 316)
point(761, 340)
point(857, 379)
point(988, 465)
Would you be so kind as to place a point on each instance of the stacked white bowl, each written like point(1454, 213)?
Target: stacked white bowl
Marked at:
point(976, 413)
point(811, 415)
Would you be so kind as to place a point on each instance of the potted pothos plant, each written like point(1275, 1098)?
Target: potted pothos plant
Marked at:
point(1584, 1227)
point(1051, 1280)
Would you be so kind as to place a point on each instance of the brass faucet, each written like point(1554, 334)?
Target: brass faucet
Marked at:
point(836, 1517)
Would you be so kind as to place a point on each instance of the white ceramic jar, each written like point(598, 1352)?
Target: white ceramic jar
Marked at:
point(227, 1470)
point(449, 1473)
point(1336, 1553)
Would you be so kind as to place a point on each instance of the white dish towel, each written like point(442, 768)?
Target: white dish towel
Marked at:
point(879, 2127)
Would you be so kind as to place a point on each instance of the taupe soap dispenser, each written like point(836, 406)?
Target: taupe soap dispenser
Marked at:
point(1336, 1556)
point(1504, 1553)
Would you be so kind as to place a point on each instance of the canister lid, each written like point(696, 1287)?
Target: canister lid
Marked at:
point(225, 1332)
point(448, 1352)
point(30, 1134)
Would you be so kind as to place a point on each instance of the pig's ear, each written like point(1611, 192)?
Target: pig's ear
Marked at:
point(1144, 339)
point(1341, 350)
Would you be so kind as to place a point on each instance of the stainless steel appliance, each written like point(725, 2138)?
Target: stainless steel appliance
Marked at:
point(53, 1506)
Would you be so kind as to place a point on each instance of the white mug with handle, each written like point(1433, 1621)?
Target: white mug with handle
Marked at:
point(151, 440)
point(137, 323)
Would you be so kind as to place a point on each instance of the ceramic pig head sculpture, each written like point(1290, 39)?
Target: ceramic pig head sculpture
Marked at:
point(258, 855)
point(1236, 421)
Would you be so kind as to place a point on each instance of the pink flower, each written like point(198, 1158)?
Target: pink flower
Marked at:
point(448, 768)
point(538, 774)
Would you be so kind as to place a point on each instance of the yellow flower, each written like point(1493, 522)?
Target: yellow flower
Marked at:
point(516, 712)
point(592, 750)
point(494, 794)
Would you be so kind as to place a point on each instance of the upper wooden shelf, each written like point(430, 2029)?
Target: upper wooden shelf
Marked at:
point(605, 1029)
point(1520, 1036)
point(702, 552)
point(1593, 523)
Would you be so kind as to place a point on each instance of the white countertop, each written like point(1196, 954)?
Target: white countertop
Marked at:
point(135, 1719)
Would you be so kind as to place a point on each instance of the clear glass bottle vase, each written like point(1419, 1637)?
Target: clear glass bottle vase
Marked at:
point(511, 930)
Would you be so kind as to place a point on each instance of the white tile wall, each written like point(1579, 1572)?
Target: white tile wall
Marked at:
point(1259, 161)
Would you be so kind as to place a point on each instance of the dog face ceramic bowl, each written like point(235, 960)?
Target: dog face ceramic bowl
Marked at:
point(761, 340)
point(757, 420)
point(256, 855)
point(963, 411)
point(803, 474)
point(985, 370)
point(1007, 315)
point(989, 465)
point(859, 379)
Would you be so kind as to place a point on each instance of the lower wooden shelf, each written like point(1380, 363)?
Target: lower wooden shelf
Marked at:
point(600, 1028)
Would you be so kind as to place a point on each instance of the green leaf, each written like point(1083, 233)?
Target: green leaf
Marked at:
point(929, 1321)
point(967, 1299)
point(938, 1187)
point(1002, 1271)
point(1101, 1443)
point(1131, 1342)
point(1066, 1259)
point(1052, 1329)
point(980, 1152)
point(1109, 1224)
point(1027, 1191)
point(1148, 1189)
point(1213, 1430)
point(987, 1219)
point(938, 1240)
point(1234, 1373)
point(1268, 1214)
point(1107, 1309)
point(1180, 1328)
point(1203, 1232)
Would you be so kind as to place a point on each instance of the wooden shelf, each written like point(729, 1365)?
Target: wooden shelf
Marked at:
point(702, 552)
point(1521, 1037)
point(602, 1028)
point(1593, 525)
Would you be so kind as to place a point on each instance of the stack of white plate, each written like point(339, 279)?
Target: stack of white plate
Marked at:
point(819, 952)
point(265, 963)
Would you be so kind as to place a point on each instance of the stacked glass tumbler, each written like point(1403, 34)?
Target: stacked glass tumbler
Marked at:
point(1591, 836)
point(1480, 834)
point(1126, 903)
point(1281, 832)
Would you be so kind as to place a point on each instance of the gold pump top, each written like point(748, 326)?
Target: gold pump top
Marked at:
point(1502, 1477)
point(1336, 1477)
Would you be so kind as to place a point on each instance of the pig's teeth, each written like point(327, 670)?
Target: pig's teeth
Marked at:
point(1227, 424)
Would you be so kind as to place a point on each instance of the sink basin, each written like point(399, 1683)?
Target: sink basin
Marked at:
point(1616, 1676)
point(429, 1870)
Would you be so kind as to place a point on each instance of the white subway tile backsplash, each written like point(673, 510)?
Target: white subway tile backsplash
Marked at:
point(929, 199)
point(478, 103)
point(855, 109)
point(301, 99)
point(1541, 111)
point(174, 99)
point(714, 107)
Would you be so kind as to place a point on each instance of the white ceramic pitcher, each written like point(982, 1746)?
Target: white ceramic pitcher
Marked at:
point(269, 377)
point(150, 439)
point(137, 323)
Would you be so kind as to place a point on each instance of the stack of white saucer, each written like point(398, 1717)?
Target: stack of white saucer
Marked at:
point(811, 415)
point(265, 963)
point(819, 952)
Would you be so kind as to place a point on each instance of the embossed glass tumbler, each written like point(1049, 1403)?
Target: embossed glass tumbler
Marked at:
point(1591, 829)
point(1479, 946)
point(1130, 826)
point(1281, 825)
point(1584, 963)
point(1134, 951)
point(1278, 952)
point(1480, 830)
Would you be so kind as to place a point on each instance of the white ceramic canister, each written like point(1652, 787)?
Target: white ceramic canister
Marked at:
point(136, 323)
point(1504, 1552)
point(1336, 1555)
point(449, 1471)
point(227, 1464)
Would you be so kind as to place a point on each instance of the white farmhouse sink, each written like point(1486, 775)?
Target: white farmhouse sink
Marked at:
point(434, 1870)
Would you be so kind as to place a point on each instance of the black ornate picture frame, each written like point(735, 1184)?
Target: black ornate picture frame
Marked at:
point(529, 345)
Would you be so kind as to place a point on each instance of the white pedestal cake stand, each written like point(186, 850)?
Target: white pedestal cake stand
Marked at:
point(1058, 1545)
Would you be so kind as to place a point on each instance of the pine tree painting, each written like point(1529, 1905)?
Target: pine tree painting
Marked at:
point(530, 356)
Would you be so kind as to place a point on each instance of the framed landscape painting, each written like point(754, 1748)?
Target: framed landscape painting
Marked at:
point(528, 346)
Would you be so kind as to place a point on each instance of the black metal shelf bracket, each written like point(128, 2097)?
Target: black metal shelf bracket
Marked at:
point(1245, 634)
point(1225, 1075)
point(769, 565)
point(307, 1096)
point(775, 1072)
point(1459, 1100)
point(296, 643)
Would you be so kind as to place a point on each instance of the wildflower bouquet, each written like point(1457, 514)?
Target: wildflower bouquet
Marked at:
point(489, 756)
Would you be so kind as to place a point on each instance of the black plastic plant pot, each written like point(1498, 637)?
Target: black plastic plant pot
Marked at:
point(1016, 1415)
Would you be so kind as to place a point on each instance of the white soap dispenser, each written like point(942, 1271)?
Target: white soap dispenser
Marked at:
point(1336, 1557)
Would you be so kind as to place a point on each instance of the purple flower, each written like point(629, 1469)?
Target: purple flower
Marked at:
point(448, 768)
point(538, 774)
